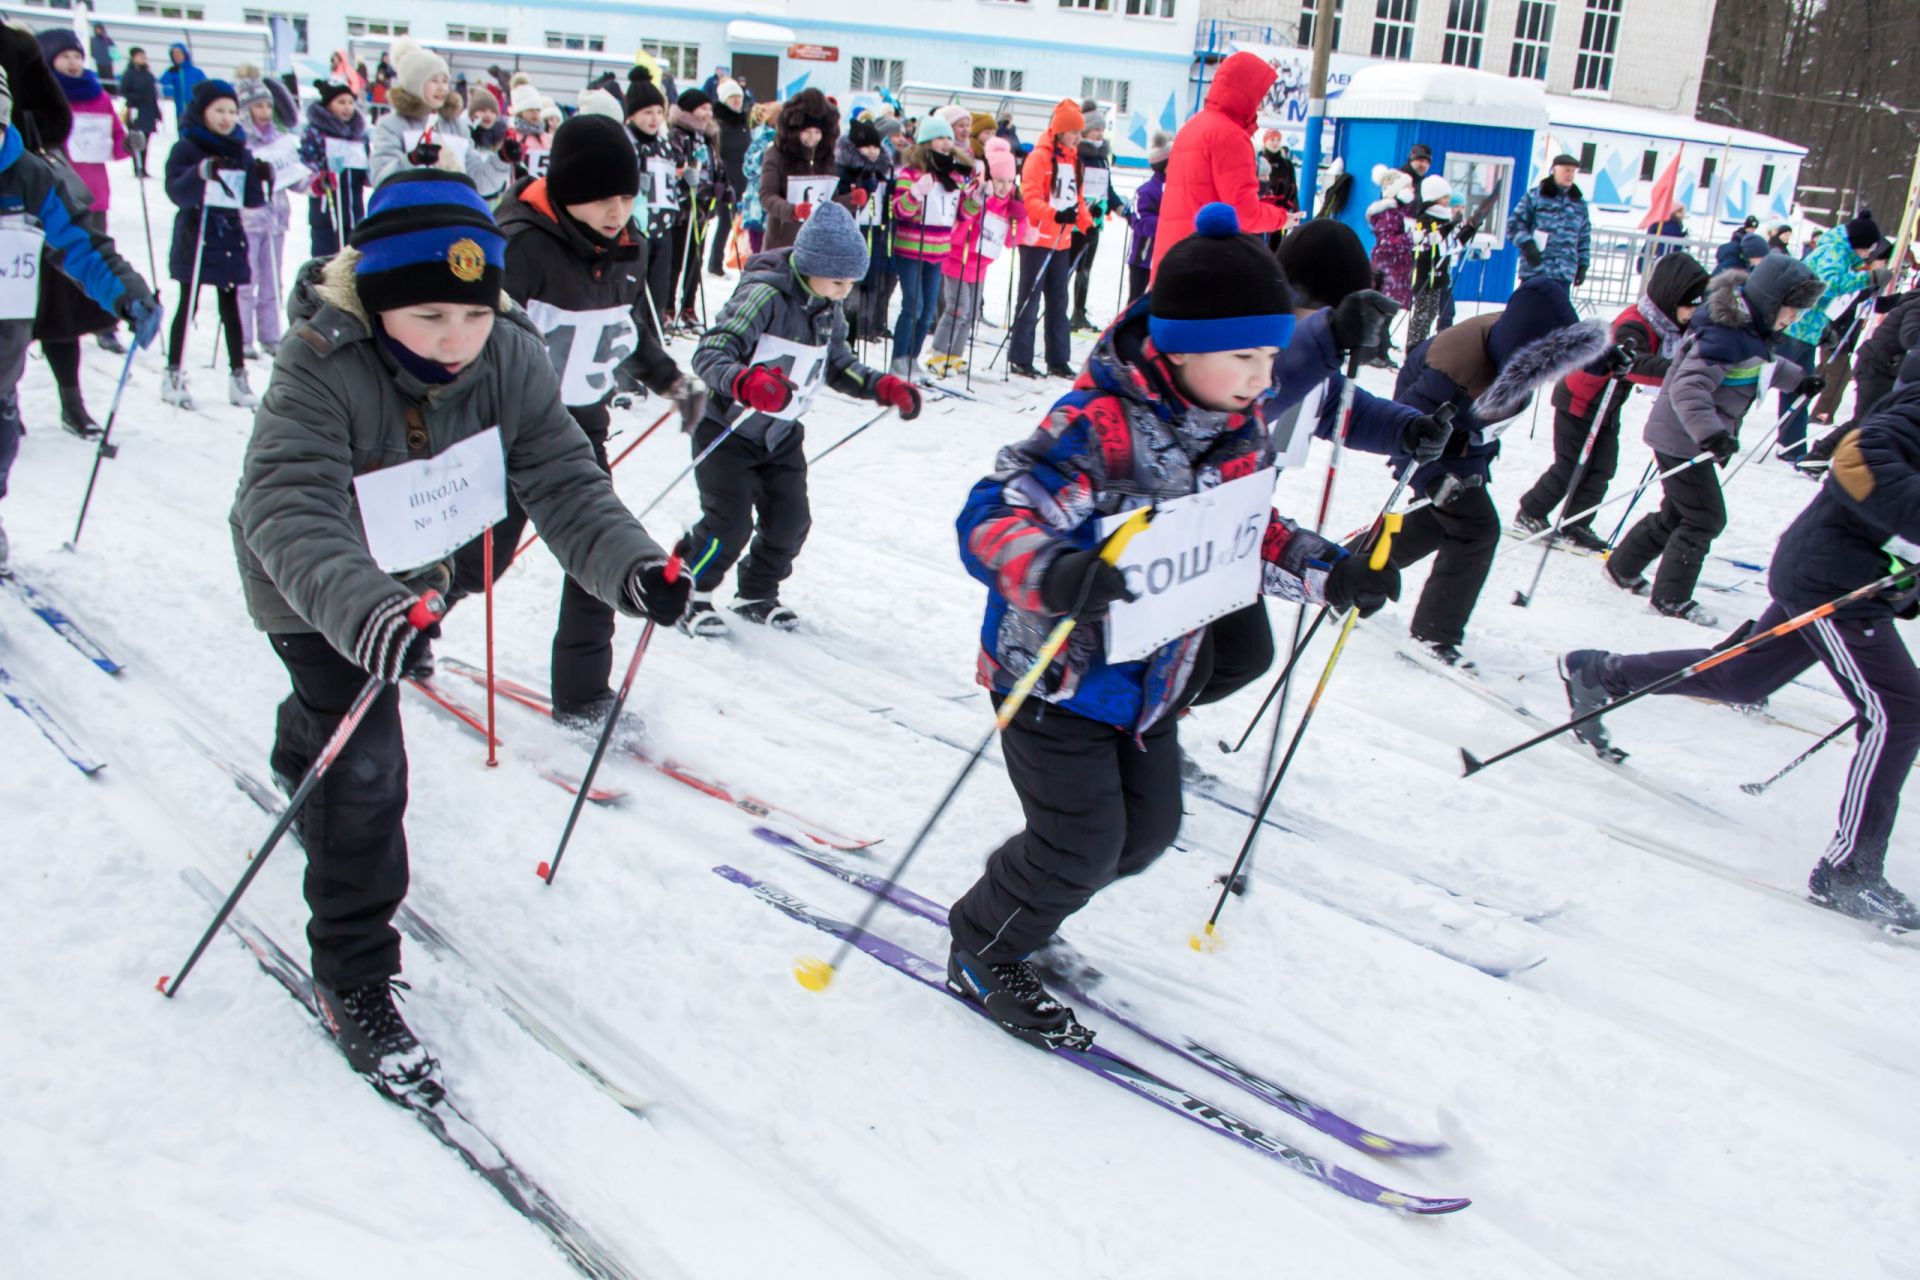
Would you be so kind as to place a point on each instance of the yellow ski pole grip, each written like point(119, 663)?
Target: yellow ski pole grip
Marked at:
point(1389, 525)
point(1117, 540)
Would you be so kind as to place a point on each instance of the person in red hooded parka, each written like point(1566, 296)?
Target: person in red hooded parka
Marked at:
point(1213, 157)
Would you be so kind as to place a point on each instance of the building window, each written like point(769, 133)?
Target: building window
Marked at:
point(1393, 28)
point(678, 60)
point(146, 9)
point(1593, 72)
point(1092, 6)
point(1309, 10)
point(573, 40)
point(1149, 8)
point(1532, 40)
point(1707, 168)
point(377, 27)
point(999, 78)
point(873, 74)
point(1466, 29)
point(264, 17)
point(1649, 165)
point(476, 35)
point(1587, 152)
point(1766, 180)
point(1102, 89)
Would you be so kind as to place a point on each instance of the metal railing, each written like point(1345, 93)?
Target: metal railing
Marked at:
point(1617, 272)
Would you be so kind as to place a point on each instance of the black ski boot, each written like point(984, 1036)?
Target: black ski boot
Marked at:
point(74, 416)
point(1580, 537)
point(588, 719)
point(1632, 586)
point(1526, 526)
point(1580, 673)
point(1868, 898)
point(378, 1043)
point(1445, 653)
point(768, 613)
point(1058, 370)
point(1023, 370)
point(1013, 997)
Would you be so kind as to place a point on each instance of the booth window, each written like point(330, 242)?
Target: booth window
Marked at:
point(476, 35)
point(1309, 10)
point(1599, 30)
point(1532, 40)
point(575, 40)
point(1649, 165)
point(1587, 152)
point(1766, 180)
point(1466, 29)
point(1393, 22)
point(377, 27)
point(1482, 187)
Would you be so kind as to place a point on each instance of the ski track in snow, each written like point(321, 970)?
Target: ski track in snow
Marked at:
point(1700, 1080)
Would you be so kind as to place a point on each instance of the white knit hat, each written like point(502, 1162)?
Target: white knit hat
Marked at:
point(954, 113)
point(413, 66)
point(598, 102)
point(525, 98)
point(728, 88)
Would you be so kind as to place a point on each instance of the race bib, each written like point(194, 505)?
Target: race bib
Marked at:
point(811, 190)
point(1099, 182)
point(1066, 188)
point(423, 511)
point(283, 154)
point(585, 347)
point(1199, 560)
point(20, 248)
point(455, 144)
point(226, 189)
point(941, 207)
point(805, 367)
point(537, 163)
point(993, 236)
point(91, 141)
point(1838, 307)
point(1292, 452)
point(346, 153)
point(662, 193)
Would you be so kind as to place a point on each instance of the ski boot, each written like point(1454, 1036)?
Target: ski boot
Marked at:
point(587, 719)
point(1632, 586)
point(1580, 674)
point(239, 393)
point(110, 341)
point(250, 352)
point(1012, 996)
point(689, 321)
point(768, 613)
point(377, 1042)
point(74, 416)
point(702, 620)
point(174, 389)
point(902, 368)
point(1868, 898)
point(1526, 526)
point(1057, 370)
point(1445, 654)
point(1581, 538)
point(1686, 611)
point(1023, 371)
point(269, 349)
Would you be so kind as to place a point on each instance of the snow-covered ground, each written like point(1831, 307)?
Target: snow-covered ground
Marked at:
point(1703, 1078)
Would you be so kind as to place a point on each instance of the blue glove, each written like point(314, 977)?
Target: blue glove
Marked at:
point(144, 315)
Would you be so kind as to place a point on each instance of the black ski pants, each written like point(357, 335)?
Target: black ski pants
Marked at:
point(1464, 535)
point(1098, 807)
point(1569, 440)
point(1083, 273)
point(351, 825)
point(748, 491)
point(1692, 514)
point(659, 278)
point(1872, 668)
point(1043, 282)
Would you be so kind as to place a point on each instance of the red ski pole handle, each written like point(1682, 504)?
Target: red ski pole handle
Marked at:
point(427, 610)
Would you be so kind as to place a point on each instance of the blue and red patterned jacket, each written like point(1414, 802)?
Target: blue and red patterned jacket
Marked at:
point(1122, 438)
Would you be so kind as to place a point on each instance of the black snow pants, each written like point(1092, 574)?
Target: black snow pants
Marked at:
point(748, 491)
point(1465, 534)
point(1692, 514)
point(1569, 439)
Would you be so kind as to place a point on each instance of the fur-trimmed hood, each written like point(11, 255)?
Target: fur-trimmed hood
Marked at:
point(1747, 300)
point(413, 107)
point(1537, 363)
point(684, 121)
point(793, 112)
point(1724, 305)
point(1550, 190)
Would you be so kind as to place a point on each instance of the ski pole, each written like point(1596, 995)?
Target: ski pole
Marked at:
point(1033, 295)
point(1646, 478)
point(1797, 403)
point(815, 974)
point(1208, 939)
point(701, 457)
point(486, 571)
point(1705, 455)
point(675, 566)
point(106, 449)
point(146, 215)
point(199, 251)
point(427, 610)
point(1525, 598)
point(642, 439)
point(821, 456)
point(1755, 788)
point(1474, 764)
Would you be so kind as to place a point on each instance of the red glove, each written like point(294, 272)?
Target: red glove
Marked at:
point(803, 211)
point(511, 150)
point(899, 394)
point(859, 197)
point(764, 388)
point(323, 182)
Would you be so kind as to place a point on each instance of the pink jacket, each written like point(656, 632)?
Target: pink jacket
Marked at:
point(93, 174)
point(963, 260)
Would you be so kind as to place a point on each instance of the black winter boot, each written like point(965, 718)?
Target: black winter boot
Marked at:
point(1012, 996)
point(74, 416)
point(1868, 898)
point(1580, 673)
point(377, 1042)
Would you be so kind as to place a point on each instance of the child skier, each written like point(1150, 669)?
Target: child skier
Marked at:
point(570, 261)
point(979, 239)
point(753, 215)
point(646, 109)
point(691, 137)
point(1096, 181)
point(266, 227)
point(1588, 402)
point(98, 137)
point(496, 150)
point(1163, 409)
point(866, 183)
point(334, 146)
point(932, 191)
point(426, 128)
point(211, 176)
point(30, 187)
point(1714, 379)
point(1392, 249)
point(406, 349)
point(1144, 214)
point(1868, 505)
point(778, 340)
point(1050, 185)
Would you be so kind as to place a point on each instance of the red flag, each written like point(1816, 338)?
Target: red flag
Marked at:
point(1661, 205)
point(345, 74)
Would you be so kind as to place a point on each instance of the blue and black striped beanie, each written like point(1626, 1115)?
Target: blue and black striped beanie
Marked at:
point(1219, 290)
point(428, 237)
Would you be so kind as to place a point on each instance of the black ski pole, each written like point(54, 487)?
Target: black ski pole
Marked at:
point(686, 471)
point(547, 870)
point(106, 449)
point(1033, 295)
point(1646, 478)
point(427, 610)
point(1755, 788)
point(1525, 598)
point(146, 216)
point(1474, 764)
point(821, 456)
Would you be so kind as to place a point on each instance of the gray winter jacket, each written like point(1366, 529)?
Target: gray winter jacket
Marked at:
point(339, 406)
point(387, 145)
point(772, 301)
point(1716, 373)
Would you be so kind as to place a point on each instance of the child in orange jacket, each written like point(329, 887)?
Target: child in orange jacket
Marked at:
point(1050, 189)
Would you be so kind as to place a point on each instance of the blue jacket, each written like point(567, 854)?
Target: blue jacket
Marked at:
point(223, 260)
point(28, 186)
point(1123, 437)
point(177, 81)
point(1871, 494)
point(1563, 216)
point(1310, 360)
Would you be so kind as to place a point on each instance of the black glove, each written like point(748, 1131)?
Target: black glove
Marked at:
point(1618, 359)
point(1074, 240)
point(1424, 438)
point(1811, 385)
point(1448, 491)
point(1353, 584)
point(424, 154)
point(1081, 583)
point(510, 149)
point(213, 165)
point(1360, 320)
point(1530, 252)
point(662, 601)
point(1722, 447)
point(262, 172)
point(1579, 276)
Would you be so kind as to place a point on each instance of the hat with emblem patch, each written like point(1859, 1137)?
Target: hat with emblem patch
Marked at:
point(428, 237)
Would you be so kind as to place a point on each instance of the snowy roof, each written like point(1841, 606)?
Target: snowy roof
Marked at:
point(1646, 122)
point(743, 31)
point(1447, 95)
